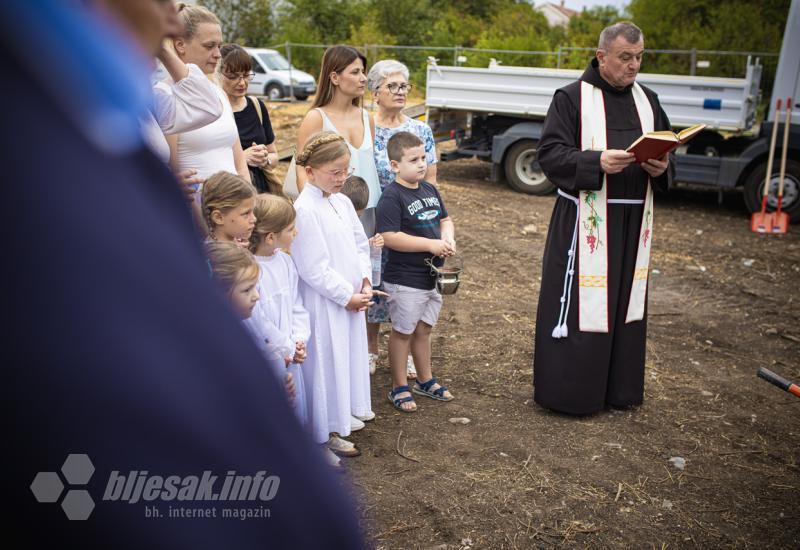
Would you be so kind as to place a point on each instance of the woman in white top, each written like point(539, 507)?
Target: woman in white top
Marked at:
point(337, 108)
point(189, 103)
point(215, 147)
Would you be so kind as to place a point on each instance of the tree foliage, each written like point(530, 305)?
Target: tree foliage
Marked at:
point(505, 25)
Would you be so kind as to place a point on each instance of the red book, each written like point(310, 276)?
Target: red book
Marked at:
point(654, 145)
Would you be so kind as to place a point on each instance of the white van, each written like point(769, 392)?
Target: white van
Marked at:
point(276, 79)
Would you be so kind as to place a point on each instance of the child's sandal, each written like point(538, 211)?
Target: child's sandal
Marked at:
point(424, 388)
point(398, 401)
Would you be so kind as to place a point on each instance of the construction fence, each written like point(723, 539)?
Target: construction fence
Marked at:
point(732, 64)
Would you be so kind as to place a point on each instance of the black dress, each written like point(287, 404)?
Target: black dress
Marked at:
point(585, 371)
point(253, 130)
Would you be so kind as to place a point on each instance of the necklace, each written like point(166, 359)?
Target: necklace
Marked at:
point(334, 208)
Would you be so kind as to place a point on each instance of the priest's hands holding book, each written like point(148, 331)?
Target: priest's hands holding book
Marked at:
point(655, 167)
point(614, 161)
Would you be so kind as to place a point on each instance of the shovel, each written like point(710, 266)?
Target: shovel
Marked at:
point(761, 222)
point(779, 381)
point(780, 220)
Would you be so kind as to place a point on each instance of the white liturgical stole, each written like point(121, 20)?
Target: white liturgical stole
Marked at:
point(592, 221)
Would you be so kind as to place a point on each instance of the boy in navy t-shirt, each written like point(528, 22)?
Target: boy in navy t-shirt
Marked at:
point(415, 226)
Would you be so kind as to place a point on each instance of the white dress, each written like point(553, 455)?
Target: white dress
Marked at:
point(281, 317)
point(331, 253)
point(178, 107)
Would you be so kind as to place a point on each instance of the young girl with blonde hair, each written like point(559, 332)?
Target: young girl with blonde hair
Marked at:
point(331, 253)
point(227, 210)
point(237, 272)
point(279, 313)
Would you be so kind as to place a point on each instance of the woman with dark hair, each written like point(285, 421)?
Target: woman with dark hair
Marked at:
point(252, 118)
point(337, 108)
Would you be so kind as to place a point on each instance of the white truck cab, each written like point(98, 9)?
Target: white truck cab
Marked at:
point(276, 78)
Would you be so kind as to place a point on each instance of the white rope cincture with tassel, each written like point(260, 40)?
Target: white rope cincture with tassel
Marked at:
point(560, 330)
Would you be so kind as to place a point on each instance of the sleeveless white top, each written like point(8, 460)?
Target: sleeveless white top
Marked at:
point(362, 159)
point(209, 149)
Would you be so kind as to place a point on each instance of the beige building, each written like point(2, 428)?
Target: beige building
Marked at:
point(557, 15)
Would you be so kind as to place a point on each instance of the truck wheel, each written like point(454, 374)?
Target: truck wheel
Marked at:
point(754, 189)
point(523, 172)
point(273, 92)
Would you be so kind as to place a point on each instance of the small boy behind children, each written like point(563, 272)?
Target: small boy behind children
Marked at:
point(416, 227)
point(357, 190)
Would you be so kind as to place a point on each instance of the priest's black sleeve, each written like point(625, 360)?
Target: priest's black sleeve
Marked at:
point(560, 155)
point(664, 181)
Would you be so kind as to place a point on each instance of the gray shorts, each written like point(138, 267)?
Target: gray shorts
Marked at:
point(408, 306)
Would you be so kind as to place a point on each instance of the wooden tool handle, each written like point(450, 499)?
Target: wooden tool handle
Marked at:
point(785, 149)
point(772, 143)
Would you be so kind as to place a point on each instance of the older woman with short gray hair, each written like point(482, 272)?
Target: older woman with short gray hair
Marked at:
point(388, 82)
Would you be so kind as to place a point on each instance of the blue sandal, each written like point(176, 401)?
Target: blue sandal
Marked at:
point(398, 401)
point(424, 388)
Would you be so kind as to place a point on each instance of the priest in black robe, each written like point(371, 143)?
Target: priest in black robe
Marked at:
point(583, 372)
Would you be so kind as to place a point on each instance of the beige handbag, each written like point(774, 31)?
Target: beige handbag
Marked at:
point(290, 181)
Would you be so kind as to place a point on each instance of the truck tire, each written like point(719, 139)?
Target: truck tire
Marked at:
point(754, 189)
point(522, 169)
point(273, 91)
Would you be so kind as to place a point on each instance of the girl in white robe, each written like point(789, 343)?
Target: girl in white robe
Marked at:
point(331, 253)
point(238, 273)
point(279, 314)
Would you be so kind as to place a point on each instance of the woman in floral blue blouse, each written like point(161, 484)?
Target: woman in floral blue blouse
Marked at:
point(388, 82)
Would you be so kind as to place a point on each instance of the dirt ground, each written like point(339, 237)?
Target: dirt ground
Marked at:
point(723, 302)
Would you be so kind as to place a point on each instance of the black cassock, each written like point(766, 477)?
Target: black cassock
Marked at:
point(585, 371)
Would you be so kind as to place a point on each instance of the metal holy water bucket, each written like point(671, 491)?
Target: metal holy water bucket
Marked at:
point(448, 275)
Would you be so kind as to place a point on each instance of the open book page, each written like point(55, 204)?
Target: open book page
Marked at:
point(657, 144)
point(688, 133)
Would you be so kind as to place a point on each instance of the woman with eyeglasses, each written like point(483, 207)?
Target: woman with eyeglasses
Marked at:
point(215, 147)
point(252, 119)
point(388, 82)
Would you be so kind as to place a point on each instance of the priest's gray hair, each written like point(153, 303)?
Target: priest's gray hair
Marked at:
point(383, 69)
point(627, 30)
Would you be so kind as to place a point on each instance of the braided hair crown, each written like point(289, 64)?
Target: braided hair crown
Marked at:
point(314, 144)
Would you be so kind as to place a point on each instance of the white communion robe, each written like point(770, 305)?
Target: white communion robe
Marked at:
point(282, 318)
point(331, 253)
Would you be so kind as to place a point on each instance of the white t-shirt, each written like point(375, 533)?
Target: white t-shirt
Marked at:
point(179, 107)
point(210, 149)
